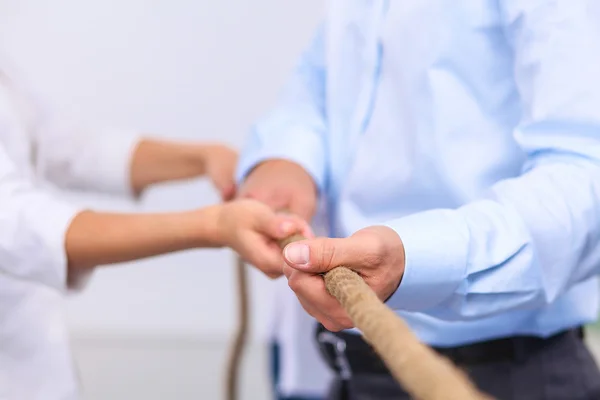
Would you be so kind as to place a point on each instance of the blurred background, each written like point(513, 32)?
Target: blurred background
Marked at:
point(202, 70)
point(182, 69)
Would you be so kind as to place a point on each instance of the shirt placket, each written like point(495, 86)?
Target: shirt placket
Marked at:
point(364, 32)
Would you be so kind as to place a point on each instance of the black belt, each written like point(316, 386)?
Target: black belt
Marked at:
point(348, 353)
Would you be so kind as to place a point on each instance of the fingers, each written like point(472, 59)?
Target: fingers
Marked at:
point(305, 229)
point(329, 324)
point(220, 163)
point(322, 254)
point(312, 294)
point(281, 226)
point(262, 254)
point(255, 229)
point(223, 180)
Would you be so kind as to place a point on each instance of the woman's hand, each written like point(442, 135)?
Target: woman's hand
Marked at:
point(254, 230)
point(249, 227)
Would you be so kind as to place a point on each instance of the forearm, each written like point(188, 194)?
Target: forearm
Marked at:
point(156, 161)
point(102, 238)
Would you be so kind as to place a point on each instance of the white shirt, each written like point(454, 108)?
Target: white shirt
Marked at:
point(35, 359)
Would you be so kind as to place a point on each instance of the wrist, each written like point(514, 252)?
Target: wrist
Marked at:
point(192, 157)
point(197, 155)
point(207, 231)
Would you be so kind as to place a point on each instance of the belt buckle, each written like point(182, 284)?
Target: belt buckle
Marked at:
point(339, 347)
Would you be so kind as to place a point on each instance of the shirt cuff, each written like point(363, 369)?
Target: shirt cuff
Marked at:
point(436, 249)
point(107, 167)
point(297, 145)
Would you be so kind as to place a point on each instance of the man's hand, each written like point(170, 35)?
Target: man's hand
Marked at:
point(375, 253)
point(283, 185)
point(253, 230)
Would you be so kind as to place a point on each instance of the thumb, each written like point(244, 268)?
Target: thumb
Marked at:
point(322, 254)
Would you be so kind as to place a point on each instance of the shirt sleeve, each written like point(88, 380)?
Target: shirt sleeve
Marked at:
point(533, 237)
point(34, 225)
point(295, 129)
point(73, 156)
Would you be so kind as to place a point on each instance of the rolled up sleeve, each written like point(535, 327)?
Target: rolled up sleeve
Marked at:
point(72, 155)
point(34, 226)
point(86, 159)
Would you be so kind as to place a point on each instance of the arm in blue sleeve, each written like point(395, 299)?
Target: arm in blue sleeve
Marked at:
point(295, 129)
point(535, 236)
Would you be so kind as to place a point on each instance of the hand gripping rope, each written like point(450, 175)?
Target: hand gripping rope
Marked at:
point(422, 372)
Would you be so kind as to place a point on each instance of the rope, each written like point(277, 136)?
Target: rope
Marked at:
point(237, 348)
point(422, 372)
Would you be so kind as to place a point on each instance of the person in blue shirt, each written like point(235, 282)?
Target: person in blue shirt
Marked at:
point(457, 146)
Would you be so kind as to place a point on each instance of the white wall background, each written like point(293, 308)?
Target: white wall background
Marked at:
point(179, 68)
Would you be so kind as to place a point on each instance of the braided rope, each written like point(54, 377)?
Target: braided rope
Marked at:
point(423, 373)
point(239, 341)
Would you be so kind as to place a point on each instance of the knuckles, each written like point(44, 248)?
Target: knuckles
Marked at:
point(294, 283)
point(326, 252)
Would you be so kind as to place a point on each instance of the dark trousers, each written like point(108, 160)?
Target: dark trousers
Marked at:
point(560, 368)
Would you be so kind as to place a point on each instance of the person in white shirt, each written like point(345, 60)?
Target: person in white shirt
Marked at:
point(48, 245)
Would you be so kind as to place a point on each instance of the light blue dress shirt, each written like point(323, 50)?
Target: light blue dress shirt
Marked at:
point(472, 128)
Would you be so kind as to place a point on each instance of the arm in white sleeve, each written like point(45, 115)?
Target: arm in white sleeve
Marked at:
point(75, 157)
point(535, 236)
point(33, 228)
point(295, 130)
point(67, 154)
